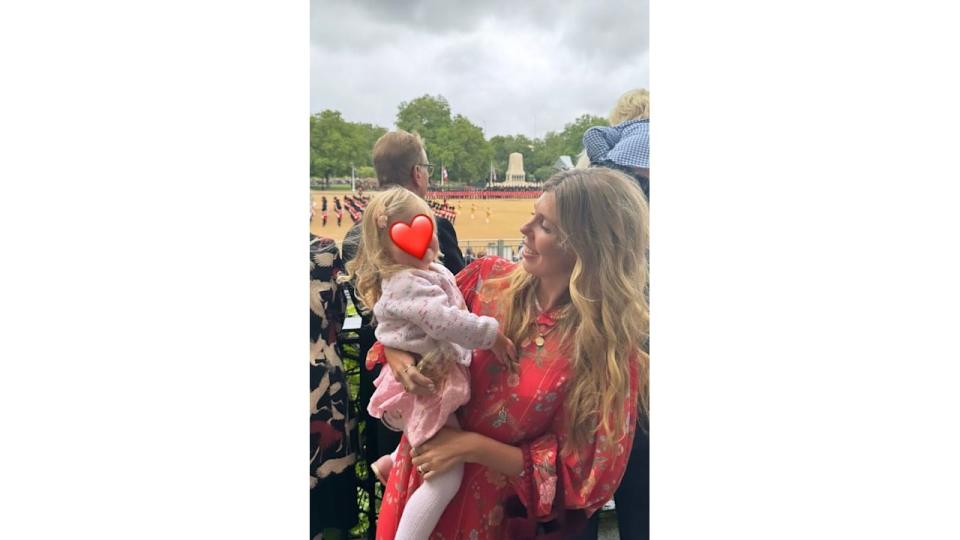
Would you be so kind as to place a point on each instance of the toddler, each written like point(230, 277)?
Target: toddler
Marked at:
point(418, 308)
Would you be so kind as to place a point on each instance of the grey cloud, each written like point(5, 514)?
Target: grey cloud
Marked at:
point(343, 26)
point(447, 16)
point(594, 29)
point(511, 67)
point(466, 57)
point(609, 34)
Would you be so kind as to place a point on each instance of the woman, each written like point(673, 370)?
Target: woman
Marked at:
point(562, 419)
point(333, 433)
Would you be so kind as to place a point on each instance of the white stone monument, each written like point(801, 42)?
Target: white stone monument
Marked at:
point(515, 175)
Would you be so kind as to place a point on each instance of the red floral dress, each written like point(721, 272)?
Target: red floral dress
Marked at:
point(524, 410)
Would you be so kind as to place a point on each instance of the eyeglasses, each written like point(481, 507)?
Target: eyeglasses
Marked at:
point(428, 166)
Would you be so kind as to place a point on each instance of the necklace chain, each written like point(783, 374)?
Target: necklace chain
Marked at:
point(539, 340)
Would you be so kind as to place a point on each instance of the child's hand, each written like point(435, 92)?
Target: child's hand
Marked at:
point(505, 351)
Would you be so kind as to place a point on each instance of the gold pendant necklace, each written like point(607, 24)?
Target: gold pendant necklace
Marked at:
point(541, 334)
point(539, 340)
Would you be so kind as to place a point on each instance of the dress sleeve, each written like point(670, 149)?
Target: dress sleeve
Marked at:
point(468, 281)
point(471, 278)
point(590, 475)
point(427, 306)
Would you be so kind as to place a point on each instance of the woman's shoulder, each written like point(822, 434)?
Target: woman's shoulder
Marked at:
point(485, 268)
point(490, 266)
point(475, 274)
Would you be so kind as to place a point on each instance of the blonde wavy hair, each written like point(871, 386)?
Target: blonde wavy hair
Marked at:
point(373, 262)
point(603, 220)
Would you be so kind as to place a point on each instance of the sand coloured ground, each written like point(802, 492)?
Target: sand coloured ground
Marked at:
point(505, 221)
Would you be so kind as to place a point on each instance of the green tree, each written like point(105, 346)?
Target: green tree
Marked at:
point(465, 152)
point(451, 141)
point(457, 143)
point(369, 133)
point(430, 117)
point(502, 146)
point(571, 138)
point(425, 115)
point(336, 144)
point(567, 142)
point(543, 173)
point(545, 152)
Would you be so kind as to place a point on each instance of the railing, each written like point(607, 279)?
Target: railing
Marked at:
point(464, 194)
point(504, 248)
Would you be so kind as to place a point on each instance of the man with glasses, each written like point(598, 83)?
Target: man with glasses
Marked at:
point(399, 159)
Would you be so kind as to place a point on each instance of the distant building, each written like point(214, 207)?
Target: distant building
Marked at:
point(563, 163)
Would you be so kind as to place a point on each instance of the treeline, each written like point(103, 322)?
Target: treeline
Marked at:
point(452, 140)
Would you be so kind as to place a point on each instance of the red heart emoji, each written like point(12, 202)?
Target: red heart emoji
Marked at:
point(413, 239)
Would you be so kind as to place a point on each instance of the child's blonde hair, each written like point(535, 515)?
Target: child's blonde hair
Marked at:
point(633, 105)
point(373, 262)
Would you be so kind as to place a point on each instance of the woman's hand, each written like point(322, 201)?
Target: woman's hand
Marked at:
point(404, 369)
point(448, 448)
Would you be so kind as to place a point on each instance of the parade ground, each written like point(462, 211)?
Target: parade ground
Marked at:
point(507, 215)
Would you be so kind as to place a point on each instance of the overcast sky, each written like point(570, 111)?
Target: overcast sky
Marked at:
point(510, 66)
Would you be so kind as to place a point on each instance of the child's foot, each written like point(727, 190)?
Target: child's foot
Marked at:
point(381, 468)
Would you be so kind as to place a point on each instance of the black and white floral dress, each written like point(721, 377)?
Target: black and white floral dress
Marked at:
point(333, 426)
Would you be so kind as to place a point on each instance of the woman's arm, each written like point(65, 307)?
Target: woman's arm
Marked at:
point(493, 454)
point(589, 473)
point(451, 447)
